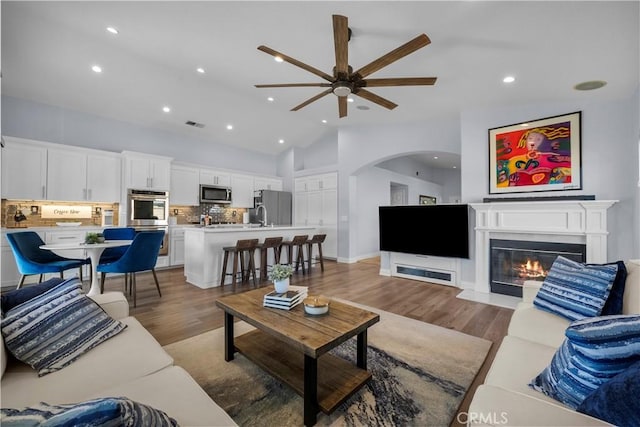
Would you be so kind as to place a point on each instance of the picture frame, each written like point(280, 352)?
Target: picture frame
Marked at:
point(537, 155)
point(426, 200)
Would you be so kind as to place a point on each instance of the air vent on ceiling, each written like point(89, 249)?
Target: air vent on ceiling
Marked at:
point(194, 124)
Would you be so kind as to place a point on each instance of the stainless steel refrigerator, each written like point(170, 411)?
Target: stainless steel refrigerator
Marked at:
point(278, 205)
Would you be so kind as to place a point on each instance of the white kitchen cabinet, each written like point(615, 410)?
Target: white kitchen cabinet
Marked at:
point(24, 171)
point(261, 183)
point(147, 172)
point(176, 246)
point(214, 177)
point(316, 182)
point(77, 176)
point(103, 177)
point(184, 186)
point(241, 191)
point(316, 204)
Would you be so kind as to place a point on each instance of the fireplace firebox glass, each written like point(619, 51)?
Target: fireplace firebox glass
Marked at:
point(515, 261)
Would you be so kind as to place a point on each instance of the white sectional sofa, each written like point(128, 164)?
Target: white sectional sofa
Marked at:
point(532, 339)
point(131, 364)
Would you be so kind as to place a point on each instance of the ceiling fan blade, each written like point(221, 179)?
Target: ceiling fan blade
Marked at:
point(419, 42)
point(341, 43)
point(310, 100)
point(295, 85)
point(297, 63)
point(402, 81)
point(342, 106)
point(375, 98)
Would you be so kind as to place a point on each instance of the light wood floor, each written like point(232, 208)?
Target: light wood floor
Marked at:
point(185, 310)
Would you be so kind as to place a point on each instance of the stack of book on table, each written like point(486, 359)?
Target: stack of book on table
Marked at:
point(286, 300)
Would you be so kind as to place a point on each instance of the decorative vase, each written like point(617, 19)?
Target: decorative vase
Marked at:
point(281, 286)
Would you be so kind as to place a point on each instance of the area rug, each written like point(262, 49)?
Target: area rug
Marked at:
point(420, 375)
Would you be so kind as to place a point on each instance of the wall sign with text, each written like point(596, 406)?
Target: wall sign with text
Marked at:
point(54, 211)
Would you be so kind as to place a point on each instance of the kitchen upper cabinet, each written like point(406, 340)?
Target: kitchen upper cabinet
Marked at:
point(147, 172)
point(261, 183)
point(241, 191)
point(214, 177)
point(184, 186)
point(24, 171)
point(77, 176)
point(317, 182)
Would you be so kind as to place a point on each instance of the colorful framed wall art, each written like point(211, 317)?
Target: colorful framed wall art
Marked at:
point(538, 155)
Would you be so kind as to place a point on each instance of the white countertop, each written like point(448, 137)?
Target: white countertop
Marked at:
point(228, 228)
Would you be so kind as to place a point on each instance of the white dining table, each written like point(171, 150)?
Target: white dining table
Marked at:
point(94, 250)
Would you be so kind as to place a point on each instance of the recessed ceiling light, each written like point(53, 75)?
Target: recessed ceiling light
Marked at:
point(113, 30)
point(281, 141)
point(324, 121)
point(96, 69)
point(590, 85)
point(270, 99)
point(509, 79)
point(229, 127)
point(200, 70)
point(350, 99)
point(278, 59)
point(435, 157)
point(455, 167)
point(166, 109)
point(524, 125)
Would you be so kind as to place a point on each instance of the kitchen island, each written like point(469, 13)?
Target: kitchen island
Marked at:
point(203, 254)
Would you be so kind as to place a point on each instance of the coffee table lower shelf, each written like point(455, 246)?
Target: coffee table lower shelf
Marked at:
point(338, 379)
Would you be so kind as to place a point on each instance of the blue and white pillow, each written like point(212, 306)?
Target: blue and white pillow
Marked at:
point(53, 329)
point(102, 412)
point(595, 350)
point(574, 290)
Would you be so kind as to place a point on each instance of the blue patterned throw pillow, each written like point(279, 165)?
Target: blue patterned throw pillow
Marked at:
point(102, 412)
point(574, 290)
point(595, 351)
point(53, 329)
point(616, 401)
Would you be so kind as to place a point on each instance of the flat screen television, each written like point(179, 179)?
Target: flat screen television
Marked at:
point(438, 230)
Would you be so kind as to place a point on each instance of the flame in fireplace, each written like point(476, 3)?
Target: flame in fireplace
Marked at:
point(531, 270)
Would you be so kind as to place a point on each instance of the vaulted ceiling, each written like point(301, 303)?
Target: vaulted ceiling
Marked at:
point(48, 49)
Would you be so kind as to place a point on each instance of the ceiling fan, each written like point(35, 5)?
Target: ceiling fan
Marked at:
point(344, 80)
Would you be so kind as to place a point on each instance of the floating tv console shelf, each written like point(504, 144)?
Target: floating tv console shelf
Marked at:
point(426, 268)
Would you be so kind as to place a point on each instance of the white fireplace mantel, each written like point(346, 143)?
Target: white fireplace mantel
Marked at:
point(570, 221)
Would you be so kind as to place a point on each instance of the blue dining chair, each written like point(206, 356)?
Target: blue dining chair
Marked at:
point(141, 255)
point(33, 260)
point(118, 233)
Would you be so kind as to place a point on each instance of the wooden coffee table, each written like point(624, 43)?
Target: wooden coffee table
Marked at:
point(289, 345)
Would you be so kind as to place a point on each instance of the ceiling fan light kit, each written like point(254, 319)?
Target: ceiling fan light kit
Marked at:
point(344, 80)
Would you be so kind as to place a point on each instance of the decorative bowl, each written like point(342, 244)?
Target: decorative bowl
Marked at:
point(315, 305)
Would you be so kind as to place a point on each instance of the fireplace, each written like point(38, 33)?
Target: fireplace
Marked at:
point(512, 262)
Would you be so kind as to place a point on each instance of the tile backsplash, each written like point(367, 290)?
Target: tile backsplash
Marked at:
point(13, 212)
point(191, 214)
point(27, 213)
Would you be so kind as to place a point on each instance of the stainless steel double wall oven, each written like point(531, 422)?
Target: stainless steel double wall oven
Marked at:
point(149, 210)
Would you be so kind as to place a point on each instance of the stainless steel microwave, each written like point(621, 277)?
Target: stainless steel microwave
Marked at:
point(215, 194)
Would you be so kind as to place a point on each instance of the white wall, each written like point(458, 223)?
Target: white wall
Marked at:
point(451, 184)
point(362, 147)
point(321, 153)
point(609, 160)
point(31, 120)
point(373, 190)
